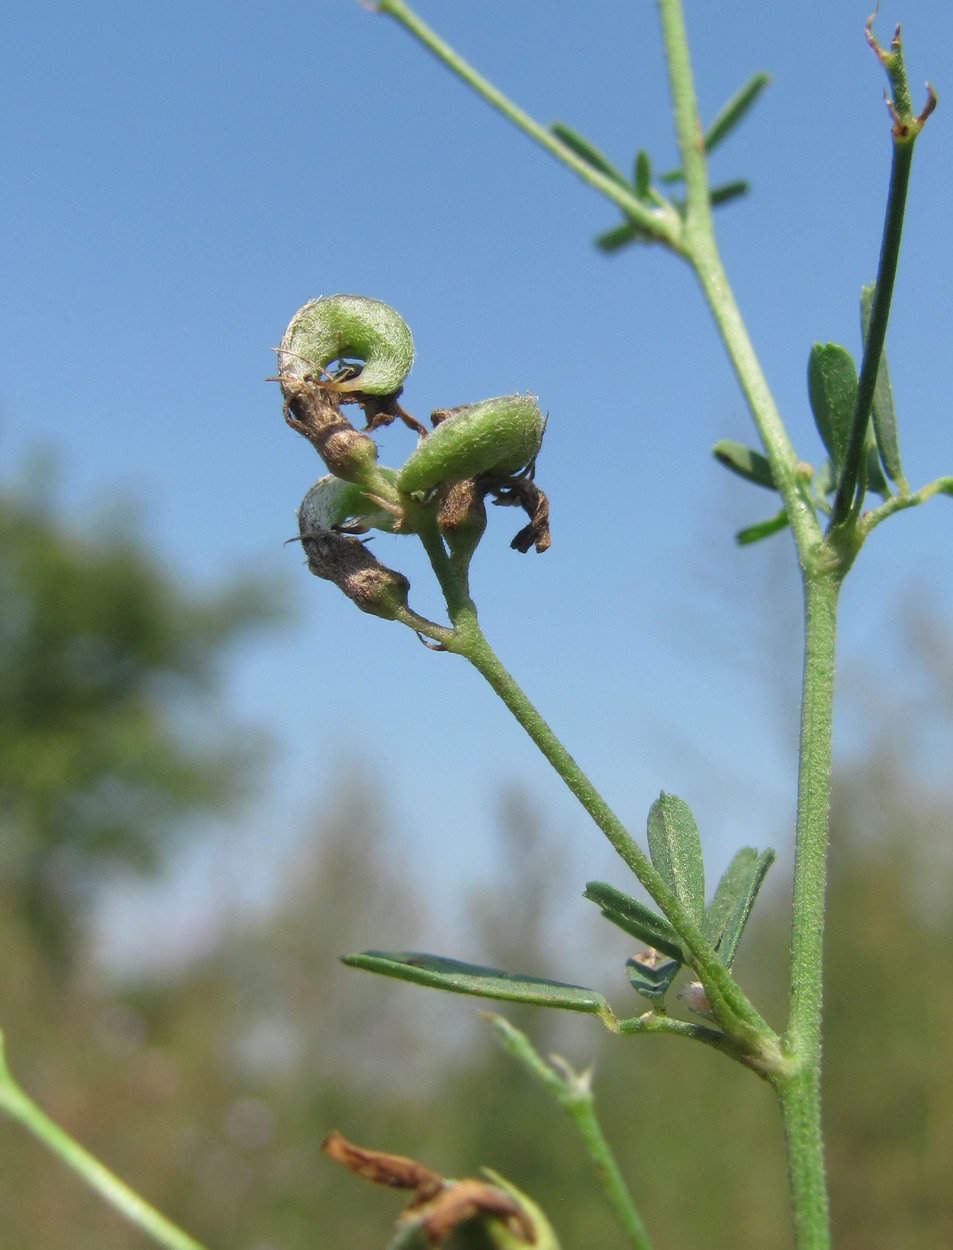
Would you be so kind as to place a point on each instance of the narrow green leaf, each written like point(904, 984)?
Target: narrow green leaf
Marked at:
point(642, 174)
point(745, 903)
point(622, 235)
point(734, 898)
point(734, 111)
point(462, 978)
point(884, 416)
point(588, 153)
point(635, 918)
point(727, 191)
point(832, 389)
point(651, 979)
point(719, 910)
point(676, 851)
point(727, 119)
point(728, 911)
point(762, 529)
point(748, 464)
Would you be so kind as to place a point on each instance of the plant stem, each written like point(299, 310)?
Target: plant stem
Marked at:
point(115, 1192)
point(750, 1033)
point(661, 222)
point(799, 1091)
point(898, 503)
point(876, 332)
point(688, 130)
point(798, 1088)
point(573, 1091)
point(701, 251)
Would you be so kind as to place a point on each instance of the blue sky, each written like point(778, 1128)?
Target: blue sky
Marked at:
point(180, 179)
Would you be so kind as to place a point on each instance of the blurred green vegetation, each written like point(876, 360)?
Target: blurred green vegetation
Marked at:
point(109, 736)
point(211, 1089)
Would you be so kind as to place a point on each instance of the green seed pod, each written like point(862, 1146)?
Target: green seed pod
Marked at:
point(349, 327)
point(497, 436)
point(331, 503)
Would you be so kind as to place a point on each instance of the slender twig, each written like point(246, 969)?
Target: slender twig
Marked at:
point(742, 1023)
point(662, 222)
point(898, 503)
point(904, 131)
point(573, 1092)
point(21, 1108)
point(876, 334)
point(701, 251)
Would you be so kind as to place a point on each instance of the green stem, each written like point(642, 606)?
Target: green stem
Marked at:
point(657, 1022)
point(876, 333)
point(701, 251)
point(573, 1091)
point(800, 1101)
point(118, 1195)
point(662, 223)
point(749, 1032)
point(799, 1089)
point(688, 129)
point(898, 503)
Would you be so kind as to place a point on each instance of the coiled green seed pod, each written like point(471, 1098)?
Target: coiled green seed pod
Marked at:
point(498, 436)
point(349, 327)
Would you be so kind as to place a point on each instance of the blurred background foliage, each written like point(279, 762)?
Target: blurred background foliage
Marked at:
point(211, 1087)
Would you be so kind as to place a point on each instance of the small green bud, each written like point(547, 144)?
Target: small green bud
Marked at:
point(498, 436)
point(348, 328)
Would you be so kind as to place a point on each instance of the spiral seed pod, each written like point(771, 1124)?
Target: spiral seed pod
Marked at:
point(498, 436)
point(348, 328)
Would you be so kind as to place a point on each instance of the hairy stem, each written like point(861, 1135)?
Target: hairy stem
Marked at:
point(661, 222)
point(745, 1027)
point(799, 1090)
point(701, 251)
point(799, 1087)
